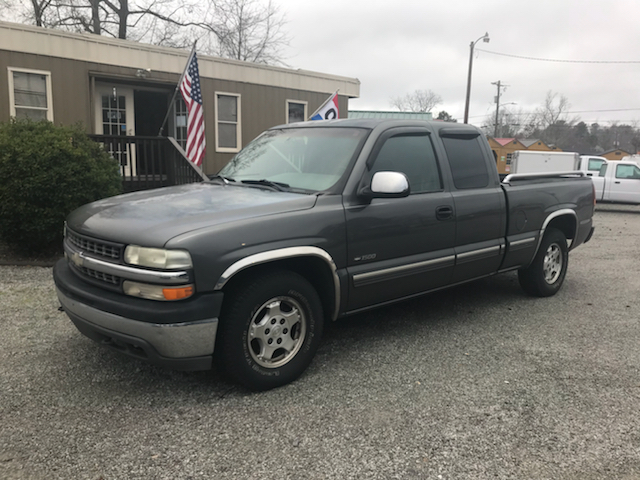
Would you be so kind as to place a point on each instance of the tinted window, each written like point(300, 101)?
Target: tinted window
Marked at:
point(412, 155)
point(468, 165)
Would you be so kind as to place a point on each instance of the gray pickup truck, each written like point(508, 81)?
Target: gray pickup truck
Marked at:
point(309, 223)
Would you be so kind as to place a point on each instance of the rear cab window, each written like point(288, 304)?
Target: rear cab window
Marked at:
point(467, 160)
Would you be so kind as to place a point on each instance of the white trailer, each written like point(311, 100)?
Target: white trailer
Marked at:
point(529, 161)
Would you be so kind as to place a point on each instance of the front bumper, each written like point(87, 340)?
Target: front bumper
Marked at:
point(589, 235)
point(179, 335)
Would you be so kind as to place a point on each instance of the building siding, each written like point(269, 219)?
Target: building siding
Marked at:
point(77, 62)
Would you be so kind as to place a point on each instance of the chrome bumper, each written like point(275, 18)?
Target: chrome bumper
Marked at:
point(171, 341)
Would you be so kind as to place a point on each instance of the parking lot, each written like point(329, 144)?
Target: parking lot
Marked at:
point(476, 382)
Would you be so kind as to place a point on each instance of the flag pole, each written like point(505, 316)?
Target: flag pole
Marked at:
point(175, 92)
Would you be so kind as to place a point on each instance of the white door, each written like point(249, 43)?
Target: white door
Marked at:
point(114, 116)
point(625, 186)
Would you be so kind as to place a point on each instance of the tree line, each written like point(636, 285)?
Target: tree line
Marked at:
point(550, 122)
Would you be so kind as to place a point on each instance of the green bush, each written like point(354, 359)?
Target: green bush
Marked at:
point(46, 171)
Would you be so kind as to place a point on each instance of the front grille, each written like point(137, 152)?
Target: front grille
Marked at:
point(103, 277)
point(96, 247)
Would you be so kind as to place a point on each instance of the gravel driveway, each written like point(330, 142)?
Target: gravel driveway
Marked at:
point(476, 382)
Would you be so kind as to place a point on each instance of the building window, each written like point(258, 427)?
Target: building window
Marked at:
point(180, 132)
point(114, 115)
point(228, 126)
point(296, 111)
point(30, 94)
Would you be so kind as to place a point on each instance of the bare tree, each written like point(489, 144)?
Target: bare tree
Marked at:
point(554, 109)
point(509, 124)
point(552, 119)
point(418, 101)
point(246, 30)
point(39, 9)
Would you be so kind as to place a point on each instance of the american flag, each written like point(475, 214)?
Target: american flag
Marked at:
point(192, 95)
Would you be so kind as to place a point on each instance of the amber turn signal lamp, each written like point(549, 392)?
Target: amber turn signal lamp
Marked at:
point(177, 293)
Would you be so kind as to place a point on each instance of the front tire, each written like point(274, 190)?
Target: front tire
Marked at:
point(545, 275)
point(269, 331)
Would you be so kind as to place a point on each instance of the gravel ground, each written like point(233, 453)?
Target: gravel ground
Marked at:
point(476, 382)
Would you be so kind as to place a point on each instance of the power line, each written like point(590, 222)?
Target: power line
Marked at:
point(598, 111)
point(572, 111)
point(557, 60)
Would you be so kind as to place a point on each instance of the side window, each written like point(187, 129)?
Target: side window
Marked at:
point(30, 94)
point(595, 164)
point(468, 165)
point(412, 155)
point(603, 170)
point(627, 171)
point(228, 131)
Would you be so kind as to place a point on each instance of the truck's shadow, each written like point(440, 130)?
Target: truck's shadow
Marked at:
point(129, 380)
point(452, 306)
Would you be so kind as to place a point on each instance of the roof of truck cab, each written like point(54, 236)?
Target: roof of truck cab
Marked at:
point(371, 123)
point(389, 115)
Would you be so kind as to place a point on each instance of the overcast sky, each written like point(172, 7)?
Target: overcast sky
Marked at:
point(395, 47)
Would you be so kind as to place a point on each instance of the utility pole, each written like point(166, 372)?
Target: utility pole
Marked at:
point(485, 39)
point(495, 126)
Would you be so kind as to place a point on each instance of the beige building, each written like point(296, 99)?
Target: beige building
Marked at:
point(615, 154)
point(121, 90)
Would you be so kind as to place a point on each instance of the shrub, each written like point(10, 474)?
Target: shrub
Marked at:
point(46, 171)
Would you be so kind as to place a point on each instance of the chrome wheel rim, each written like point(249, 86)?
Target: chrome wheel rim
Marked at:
point(552, 263)
point(276, 332)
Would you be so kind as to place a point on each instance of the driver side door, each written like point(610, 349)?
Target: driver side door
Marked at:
point(399, 247)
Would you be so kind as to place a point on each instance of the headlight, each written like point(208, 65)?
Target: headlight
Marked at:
point(157, 258)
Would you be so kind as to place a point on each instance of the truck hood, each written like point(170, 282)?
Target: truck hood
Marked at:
point(153, 217)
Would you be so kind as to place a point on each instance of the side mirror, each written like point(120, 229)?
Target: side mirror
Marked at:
point(387, 184)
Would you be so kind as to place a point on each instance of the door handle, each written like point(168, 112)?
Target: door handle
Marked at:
point(617, 183)
point(444, 212)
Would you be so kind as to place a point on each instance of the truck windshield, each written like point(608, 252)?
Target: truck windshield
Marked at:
point(306, 159)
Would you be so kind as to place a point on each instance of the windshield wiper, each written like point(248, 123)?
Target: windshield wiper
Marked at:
point(279, 186)
point(226, 180)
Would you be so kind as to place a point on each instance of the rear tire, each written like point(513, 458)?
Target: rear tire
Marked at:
point(269, 330)
point(545, 275)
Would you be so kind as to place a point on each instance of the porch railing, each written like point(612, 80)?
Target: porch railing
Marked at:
point(149, 162)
